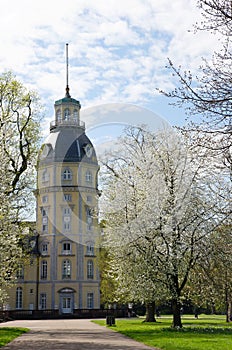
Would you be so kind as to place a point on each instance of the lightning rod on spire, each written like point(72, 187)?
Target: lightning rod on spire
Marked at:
point(67, 86)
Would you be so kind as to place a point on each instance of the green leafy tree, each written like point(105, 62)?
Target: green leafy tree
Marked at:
point(210, 281)
point(20, 114)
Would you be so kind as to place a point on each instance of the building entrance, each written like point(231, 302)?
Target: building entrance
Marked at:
point(66, 305)
point(66, 300)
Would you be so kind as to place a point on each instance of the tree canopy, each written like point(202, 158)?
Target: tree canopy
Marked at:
point(162, 201)
point(20, 115)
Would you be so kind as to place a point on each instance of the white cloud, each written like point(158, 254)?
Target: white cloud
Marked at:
point(118, 49)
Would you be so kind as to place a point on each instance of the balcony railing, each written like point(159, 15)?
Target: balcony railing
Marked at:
point(71, 122)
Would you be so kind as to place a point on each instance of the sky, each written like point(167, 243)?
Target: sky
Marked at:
point(118, 53)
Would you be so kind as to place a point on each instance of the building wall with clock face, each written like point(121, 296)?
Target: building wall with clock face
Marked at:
point(64, 274)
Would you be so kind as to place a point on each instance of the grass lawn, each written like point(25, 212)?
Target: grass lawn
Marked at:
point(7, 334)
point(206, 333)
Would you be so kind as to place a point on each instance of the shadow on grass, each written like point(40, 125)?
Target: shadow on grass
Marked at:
point(199, 330)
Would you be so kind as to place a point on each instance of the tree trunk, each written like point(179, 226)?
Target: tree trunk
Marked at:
point(176, 310)
point(150, 312)
point(228, 311)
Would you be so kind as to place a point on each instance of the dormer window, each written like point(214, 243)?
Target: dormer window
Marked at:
point(67, 114)
point(45, 176)
point(88, 176)
point(67, 174)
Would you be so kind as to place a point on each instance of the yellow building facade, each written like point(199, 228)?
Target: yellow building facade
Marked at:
point(62, 273)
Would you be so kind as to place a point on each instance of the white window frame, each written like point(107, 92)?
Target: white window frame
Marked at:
point(44, 212)
point(90, 269)
point(43, 301)
point(66, 174)
point(66, 248)
point(67, 114)
point(66, 269)
point(67, 197)
point(90, 249)
point(75, 114)
point(90, 300)
point(19, 298)
point(88, 176)
point(45, 176)
point(20, 272)
point(44, 270)
point(44, 248)
point(45, 199)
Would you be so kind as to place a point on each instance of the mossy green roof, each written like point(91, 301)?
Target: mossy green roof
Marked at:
point(67, 100)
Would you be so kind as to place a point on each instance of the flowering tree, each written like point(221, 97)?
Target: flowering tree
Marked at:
point(162, 200)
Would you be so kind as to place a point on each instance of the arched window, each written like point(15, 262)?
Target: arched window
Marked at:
point(58, 115)
point(19, 298)
point(75, 114)
point(44, 269)
point(88, 176)
point(66, 269)
point(66, 114)
point(67, 174)
point(90, 269)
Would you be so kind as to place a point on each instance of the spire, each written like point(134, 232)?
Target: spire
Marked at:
point(67, 87)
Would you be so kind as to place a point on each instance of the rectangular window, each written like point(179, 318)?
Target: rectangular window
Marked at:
point(44, 220)
point(66, 269)
point(90, 249)
point(66, 175)
point(90, 300)
point(67, 226)
point(44, 249)
point(19, 273)
point(45, 228)
point(44, 212)
point(67, 211)
point(90, 268)
point(44, 269)
point(67, 197)
point(43, 301)
point(89, 199)
point(19, 298)
point(67, 219)
point(45, 199)
point(45, 176)
point(66, 248)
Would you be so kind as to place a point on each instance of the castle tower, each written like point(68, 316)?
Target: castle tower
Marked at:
point(67, 223)
point(62, 272)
